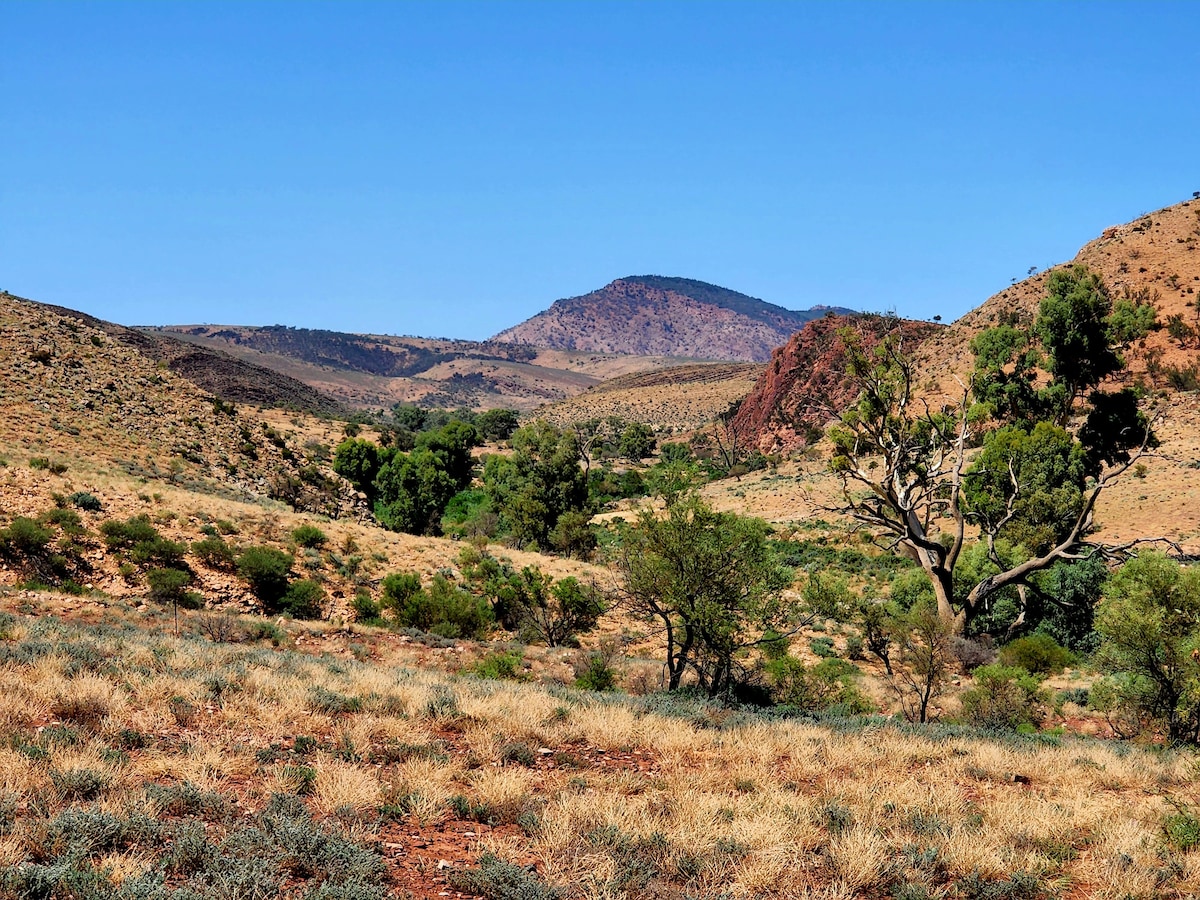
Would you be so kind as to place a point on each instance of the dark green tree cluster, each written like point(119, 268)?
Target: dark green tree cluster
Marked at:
point(48, 550)
point(139, 544)
point(532, 603)
point(443, 608)
point(529, 602)
point(268, 572)
point(534, 496)
point(410, 491)
point(1149, 622)
point(534, 486)
point(408, 422)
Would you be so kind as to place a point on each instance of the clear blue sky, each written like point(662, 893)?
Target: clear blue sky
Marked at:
point(450, 169)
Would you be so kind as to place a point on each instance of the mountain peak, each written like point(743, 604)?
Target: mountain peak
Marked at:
point(663, 315)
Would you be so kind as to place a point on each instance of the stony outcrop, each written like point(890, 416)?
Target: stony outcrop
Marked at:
point(805, 384)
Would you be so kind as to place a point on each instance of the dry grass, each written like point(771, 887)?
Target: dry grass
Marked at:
point(616, 797)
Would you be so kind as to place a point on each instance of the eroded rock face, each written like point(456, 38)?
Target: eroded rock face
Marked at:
point(805, 384)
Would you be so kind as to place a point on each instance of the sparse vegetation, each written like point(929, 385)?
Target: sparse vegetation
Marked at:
point(141, 761)
point(308, 535)
point(891, 808)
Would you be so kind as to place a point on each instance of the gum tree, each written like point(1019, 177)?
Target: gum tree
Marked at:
point(1017, 461)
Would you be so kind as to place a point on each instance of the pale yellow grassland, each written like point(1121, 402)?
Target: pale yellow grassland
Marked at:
point(714, 800)
point(123, 866)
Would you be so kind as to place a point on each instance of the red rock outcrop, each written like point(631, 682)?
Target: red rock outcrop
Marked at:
point(805, 384)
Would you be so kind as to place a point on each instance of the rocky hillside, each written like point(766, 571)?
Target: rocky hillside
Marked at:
point(75, 393)
point(385, 355)
point(805, 383)
point(650, 314)
point(220, 374)
point(1153, 259)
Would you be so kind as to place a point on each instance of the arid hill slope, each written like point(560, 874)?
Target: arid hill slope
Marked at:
point(220, 374)
point(370, 370)
point(1157, 257)
point(679, 398)
point(71, 388)
point(650, 314)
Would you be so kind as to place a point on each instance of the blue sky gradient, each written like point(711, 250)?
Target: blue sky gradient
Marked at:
point(451, 168)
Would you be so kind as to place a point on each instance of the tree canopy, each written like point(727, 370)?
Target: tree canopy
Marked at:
point(1018, 459)
point(1149, 621)
point(537, 483)
point(712, 581)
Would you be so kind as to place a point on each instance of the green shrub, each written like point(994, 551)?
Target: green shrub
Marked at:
point(309, 536)
point(1004, 697)
point(442, 608)
point(1182, 829)
point(496, 879)
point(215, 553)
point(774, 645)
point(596, 674)
point(66, 520)
point(517, 752)
point(398, 588)
point(159, 552)
point(539, 608)
point(828, 597)
point(267, 571)
point(303, 599)
point(855, 647)
point(822, 647)
point(1078, 695)
point(85, 501)
point(24, 538)
point(186, 799)
point(829, 685)
point(125, 535)
point(331, 703)
point(191, 851)
point(262, 630)
point(469, 512)
point(506, 664)
point(171, 586)
point(366, 610)
point(80, 784)
point(1018, 886)
point(1038, 653)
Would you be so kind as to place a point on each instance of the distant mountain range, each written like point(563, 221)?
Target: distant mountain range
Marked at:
point(644, 315)
point(219, 373)
point(639, 324)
